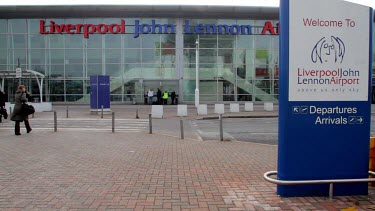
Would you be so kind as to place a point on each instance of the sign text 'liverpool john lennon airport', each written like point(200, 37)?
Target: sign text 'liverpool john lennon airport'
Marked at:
point(153, 28)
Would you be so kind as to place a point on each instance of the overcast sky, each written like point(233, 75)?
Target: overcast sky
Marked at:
point(272, 3)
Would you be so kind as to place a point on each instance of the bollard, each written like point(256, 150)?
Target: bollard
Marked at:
point(182, 128)
point(136, 114)
point(55, 120)
point(67, 111)
point(221, 127)
point(330, 197)
point(113, 122)
point(32, 115)
point(102, 112)
point(10, 111)
point(150, 123)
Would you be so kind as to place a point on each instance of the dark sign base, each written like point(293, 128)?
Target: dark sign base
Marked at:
point(322, 190)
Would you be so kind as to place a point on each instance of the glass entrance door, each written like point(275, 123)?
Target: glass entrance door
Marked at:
point(163, 85)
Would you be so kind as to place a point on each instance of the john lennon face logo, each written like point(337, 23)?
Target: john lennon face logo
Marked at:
point(328, 50)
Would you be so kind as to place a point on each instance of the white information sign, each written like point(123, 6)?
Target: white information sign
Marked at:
point(18, 73)
point(328, 51)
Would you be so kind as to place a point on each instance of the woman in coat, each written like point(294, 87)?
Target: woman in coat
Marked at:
point(17, 115)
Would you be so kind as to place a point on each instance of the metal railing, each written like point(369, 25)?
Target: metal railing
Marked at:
point(306, 182)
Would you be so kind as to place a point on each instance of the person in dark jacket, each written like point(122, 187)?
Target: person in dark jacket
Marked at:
point(158, 94)
point(2, 106)
point(173, 97)
point(17, 115)
point(2, 99)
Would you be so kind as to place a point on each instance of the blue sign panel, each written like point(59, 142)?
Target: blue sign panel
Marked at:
point(324, 98)
point(99, 92)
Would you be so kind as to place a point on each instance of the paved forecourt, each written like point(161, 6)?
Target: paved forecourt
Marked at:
point(88, 170)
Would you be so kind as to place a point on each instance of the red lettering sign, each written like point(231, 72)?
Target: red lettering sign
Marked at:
point(268, 27)
point(87, 29)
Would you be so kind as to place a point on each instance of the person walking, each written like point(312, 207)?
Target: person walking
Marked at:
point(158, 94)
point(17, 115)
point(165, 98)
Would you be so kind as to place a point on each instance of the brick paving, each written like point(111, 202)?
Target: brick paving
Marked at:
point(71, 170)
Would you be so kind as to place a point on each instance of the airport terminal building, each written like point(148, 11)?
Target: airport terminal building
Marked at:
point(236, 50)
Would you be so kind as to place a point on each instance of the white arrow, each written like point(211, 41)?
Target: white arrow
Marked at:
point(295, 110)
point(360, 119)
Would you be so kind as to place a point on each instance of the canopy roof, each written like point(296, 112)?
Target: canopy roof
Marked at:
point(9, 74)
point(155, 11)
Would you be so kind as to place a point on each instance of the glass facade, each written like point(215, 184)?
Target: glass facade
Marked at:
point(236, 67)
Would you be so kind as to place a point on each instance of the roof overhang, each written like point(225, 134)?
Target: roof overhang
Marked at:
point(11, 74)
point(155, 11)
